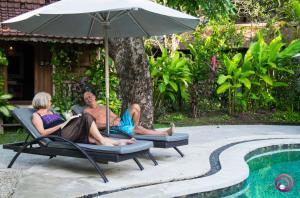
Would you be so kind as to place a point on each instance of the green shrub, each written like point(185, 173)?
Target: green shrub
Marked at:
point(286, 116)
point(171, 77)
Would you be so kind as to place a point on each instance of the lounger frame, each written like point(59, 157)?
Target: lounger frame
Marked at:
point(156, 143)
point(37, 147)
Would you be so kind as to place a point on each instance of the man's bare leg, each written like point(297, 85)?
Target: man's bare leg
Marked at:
point(96, 137)
point(143, 131)
point(135, 113)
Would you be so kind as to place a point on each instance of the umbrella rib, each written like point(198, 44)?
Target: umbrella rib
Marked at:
point(118, 15)
point(45, 24)
point(107, 16)
point(179, 23)
point(138, 24)
point(91, 26)
point(100, 19)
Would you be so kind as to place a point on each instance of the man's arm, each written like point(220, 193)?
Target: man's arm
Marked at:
point(114, 120)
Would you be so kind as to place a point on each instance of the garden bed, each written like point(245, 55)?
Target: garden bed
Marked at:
point(217, 118)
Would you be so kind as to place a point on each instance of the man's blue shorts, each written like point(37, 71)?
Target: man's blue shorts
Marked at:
point(126, 124)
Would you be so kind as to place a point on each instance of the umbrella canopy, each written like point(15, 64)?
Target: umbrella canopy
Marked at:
point(103, 18)
point(89, 18)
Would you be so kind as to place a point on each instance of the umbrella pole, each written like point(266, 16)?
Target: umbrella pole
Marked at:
point(106, 81)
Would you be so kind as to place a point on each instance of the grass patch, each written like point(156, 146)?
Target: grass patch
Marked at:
point(13, 136)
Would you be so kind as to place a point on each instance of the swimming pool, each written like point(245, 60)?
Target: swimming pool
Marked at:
point(264, 169)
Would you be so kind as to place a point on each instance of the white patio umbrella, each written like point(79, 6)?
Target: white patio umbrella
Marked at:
point(103, 18)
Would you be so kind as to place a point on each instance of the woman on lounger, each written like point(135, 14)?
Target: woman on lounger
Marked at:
point(81, 129)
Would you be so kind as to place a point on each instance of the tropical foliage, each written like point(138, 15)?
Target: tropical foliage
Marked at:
point(253, 83)
point(233, 81)
point(171, 77)
point(209, 43)
point(212, 9)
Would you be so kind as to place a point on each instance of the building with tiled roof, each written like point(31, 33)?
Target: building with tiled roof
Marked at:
point(29, 69)
point(12, 8)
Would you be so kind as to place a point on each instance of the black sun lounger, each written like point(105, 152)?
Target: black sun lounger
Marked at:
point(159, 141)
point(53, 146)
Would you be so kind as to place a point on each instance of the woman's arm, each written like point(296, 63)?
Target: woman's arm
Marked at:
point(38, 123)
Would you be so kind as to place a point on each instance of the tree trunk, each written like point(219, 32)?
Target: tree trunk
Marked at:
point(133, 71)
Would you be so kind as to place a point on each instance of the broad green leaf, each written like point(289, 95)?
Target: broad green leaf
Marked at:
point(237, 85)
point(263, 70)
point(239, 95)
point(243, 103)
point(192, 49)
point(248, 57)
point(237, 59)
point(10, 107)
point(88, 72)
point(291, 50)
point(285, 70)
point(151, 60)
point(237, 73)
point(223, 88)
point(296, 9)
point(267, 79)
point(255, 83)
point(181, 63)
point(171, 96)
point(184, 93)
point(164, 53)
point(247, 73)
point(254, 96)
point(161, 88)
point(175, 59)
point(166, 78)
point(222, 78)
point(274, 48)
point(227, 63)
point(273, 65)
point(246, 82)
point(4, 111)
point(6, 96)
point(174, 86)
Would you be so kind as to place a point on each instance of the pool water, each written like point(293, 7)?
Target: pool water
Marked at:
point(263, 171)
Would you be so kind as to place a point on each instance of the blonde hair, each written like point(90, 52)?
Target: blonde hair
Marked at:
point(41, 100)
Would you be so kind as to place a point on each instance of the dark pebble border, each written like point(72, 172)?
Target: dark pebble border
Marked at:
point(215, 166)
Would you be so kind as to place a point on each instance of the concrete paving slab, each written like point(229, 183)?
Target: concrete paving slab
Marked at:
point(70, 177)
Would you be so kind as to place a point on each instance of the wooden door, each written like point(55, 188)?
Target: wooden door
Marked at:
point(43, 70)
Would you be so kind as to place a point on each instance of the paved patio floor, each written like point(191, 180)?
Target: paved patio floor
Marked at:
point(37, 176)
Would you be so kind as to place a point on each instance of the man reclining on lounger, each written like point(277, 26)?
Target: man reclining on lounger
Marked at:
point(129, 122)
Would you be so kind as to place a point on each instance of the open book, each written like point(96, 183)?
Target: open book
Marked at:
point(69, 119)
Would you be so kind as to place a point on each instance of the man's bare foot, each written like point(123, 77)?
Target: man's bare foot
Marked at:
point(172, 127)
point(125, 142)
point(170, 130)
point(106, 143)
